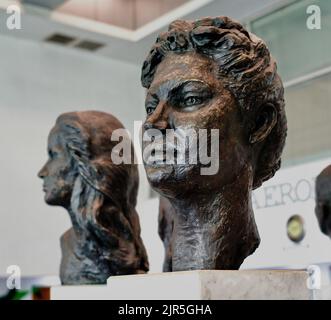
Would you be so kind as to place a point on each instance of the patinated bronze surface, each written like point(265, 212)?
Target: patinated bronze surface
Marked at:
point(166, 225)
point(213, 74)
point(99, 196)
point(323, 200)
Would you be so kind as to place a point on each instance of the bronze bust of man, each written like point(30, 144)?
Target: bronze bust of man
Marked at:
point(99, 196)
point(323, 200)
point(213, 74)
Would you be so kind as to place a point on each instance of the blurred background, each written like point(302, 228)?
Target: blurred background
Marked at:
point(74, 55)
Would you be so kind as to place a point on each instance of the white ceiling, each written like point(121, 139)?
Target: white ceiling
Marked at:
point(38, 24)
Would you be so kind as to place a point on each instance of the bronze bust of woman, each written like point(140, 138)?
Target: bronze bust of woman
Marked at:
point(213, 74)
point(99, 196)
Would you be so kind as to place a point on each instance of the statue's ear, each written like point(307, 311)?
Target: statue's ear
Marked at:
point(265, 120)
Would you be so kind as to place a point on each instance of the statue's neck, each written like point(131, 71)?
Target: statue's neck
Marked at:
point(78, 230)
point(215, 231)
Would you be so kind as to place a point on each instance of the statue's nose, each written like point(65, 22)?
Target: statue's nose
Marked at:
point(43, 172)
point(160, 125)
point(159, 118)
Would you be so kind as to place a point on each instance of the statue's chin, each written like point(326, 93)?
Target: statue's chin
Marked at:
point(170, 180)
point(159, 174)
point(52, 201)
point(328, 227)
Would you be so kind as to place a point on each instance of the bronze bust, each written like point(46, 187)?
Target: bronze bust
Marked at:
point(213, 74)
point(323, 200)
point(99, 196)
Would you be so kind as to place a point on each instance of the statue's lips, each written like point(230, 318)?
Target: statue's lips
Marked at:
point(163, 153)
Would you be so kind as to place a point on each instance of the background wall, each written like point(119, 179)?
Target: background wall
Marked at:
point(37, 83)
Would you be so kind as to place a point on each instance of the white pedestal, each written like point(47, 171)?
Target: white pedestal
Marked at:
point(195, 285)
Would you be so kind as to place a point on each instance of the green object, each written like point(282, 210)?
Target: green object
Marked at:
point(15, 295)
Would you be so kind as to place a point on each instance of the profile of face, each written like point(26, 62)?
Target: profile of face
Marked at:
point(99, 196)
point(58, 173)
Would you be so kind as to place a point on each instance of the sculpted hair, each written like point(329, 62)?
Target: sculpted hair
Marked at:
point(104, 195)
point(246, 69)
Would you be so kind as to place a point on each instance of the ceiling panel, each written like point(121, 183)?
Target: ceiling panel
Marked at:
point(38, 26)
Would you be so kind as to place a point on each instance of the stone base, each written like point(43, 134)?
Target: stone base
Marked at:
point(196, 285)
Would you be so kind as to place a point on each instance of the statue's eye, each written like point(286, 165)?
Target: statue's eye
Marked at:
point(150, 110)
point(192, 101)
point(151, 103)
point(52, 154)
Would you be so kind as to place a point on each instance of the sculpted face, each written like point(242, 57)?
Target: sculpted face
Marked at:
point(186, 94)
point(58, 173)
